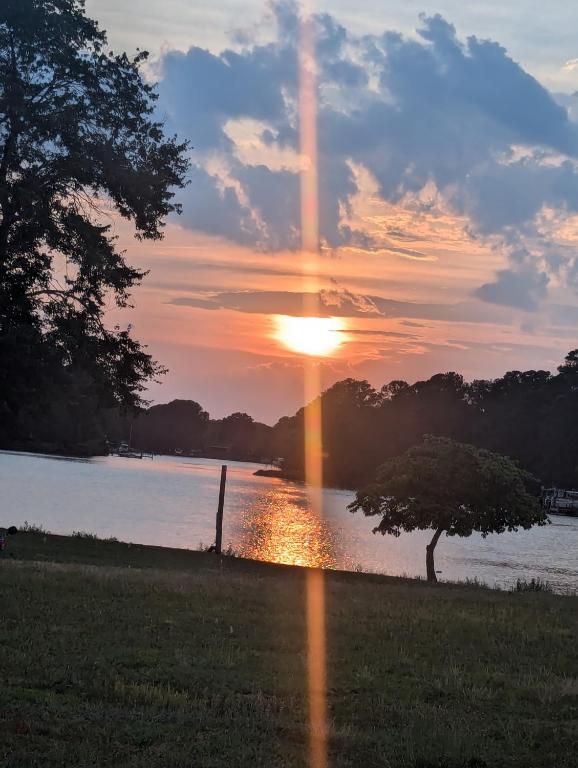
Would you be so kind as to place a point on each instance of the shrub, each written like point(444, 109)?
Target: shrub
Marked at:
point(534, 585)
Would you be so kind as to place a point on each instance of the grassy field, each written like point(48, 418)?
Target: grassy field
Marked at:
point(119, 655)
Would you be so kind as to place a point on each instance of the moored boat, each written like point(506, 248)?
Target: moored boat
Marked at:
point(558, 501)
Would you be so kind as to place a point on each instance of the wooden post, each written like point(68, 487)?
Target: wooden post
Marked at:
point(219, 534)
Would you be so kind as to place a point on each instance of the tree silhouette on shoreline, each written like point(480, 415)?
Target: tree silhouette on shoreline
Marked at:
point(450, 488)
point(78, 145)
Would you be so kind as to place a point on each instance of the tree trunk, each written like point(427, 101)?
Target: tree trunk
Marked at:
point(429, 556)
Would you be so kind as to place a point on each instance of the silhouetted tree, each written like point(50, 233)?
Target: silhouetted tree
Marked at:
point(77, 141)
point(510, 415)
point(529, 415)
point(180, 424)
point(394, 388)
point(450, 488)
point(242, 436)
point(349, 411)
point(438, 406)
point(558, 426)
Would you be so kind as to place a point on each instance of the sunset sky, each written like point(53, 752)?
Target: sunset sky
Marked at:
point(448, 148)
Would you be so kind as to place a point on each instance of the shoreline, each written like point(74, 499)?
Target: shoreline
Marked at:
point(37, 545)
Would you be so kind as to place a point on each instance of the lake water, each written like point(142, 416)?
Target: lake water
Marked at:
point(171, 501)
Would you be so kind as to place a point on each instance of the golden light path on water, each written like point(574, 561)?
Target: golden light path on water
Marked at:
point(316, 636)
point(280, 527)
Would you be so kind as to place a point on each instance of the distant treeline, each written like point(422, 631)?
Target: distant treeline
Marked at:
point(183, 426)
point(531, 416)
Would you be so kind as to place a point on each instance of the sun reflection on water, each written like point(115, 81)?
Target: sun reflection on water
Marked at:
point(281, 527)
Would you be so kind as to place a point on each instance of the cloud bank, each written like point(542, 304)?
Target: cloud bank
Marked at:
point(334, 303)
point(458, 118)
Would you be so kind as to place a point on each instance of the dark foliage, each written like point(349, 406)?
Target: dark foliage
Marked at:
point(453, 489)
point(531, 416)
point(534, 585)
point(183, 426)
point(78, 142)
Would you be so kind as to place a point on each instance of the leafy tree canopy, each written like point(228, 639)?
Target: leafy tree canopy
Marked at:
point(79, 144)
point(451, 488)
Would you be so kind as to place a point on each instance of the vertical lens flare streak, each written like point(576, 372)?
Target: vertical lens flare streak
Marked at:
point(316, 649)
point(308, 144)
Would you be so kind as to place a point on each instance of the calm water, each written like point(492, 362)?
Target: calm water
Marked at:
point(172, 501)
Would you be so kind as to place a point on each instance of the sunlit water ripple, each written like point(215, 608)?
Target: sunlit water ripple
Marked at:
point(171, 501)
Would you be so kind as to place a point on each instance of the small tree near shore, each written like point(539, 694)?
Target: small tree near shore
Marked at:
point(450, 488)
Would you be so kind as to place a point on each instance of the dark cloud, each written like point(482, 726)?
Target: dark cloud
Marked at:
point(202, 92)
point(378, 334)
point(408, 253)
point(277, 302)
point(522, 289)
point(215, 208)
point(445, 110)
point(400, 234)
point(411, 324)
point(275, 196)
point(339, 303)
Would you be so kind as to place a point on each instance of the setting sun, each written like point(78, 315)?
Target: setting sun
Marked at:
point(317, 336)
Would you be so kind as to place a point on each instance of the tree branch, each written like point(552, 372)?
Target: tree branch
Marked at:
point(63, 294)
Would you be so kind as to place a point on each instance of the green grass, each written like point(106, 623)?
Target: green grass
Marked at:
point(119, 655)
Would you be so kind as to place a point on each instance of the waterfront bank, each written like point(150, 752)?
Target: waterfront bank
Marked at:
point(118, 654)
point(172, 502)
